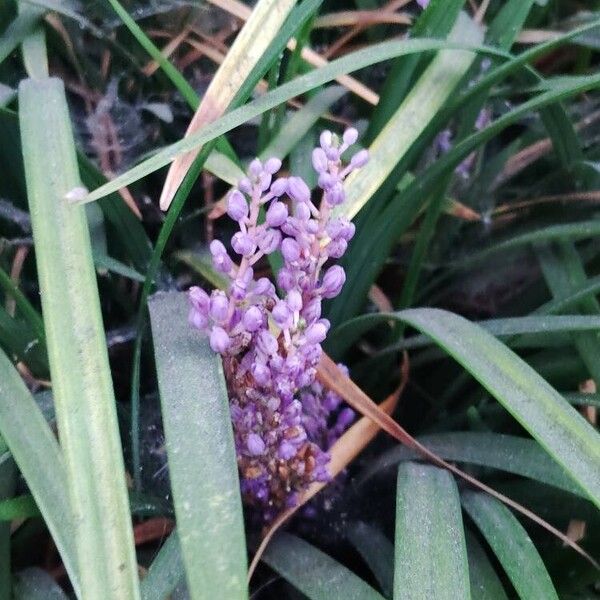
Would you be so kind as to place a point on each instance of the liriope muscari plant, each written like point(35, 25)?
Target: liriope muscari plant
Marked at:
point(284, 421)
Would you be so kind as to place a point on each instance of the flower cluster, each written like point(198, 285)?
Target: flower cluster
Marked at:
point(284, 421)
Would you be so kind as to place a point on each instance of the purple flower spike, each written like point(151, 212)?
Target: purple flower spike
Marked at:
point(284, 422)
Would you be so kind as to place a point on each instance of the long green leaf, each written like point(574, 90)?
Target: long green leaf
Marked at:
point(202, 463)
point(540, 409)
point(315, 574)
point(85, 404)
point(505, 452)
point(36, 584)
point(511, 545)
point(23, 24)
point(485, 584)
point(431, 554)
point(165, 572)
point(377, 551)
point(40, 461)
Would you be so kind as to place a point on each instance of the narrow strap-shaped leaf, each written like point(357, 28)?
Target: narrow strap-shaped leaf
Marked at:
point(202, 463)
point(377, 551)
point(431, 554)
point(506, 452)
point(82, 385)
point(314, 573)
point(485, 584)
point(540, 409)
point(39, 459)
point(511, 545)
point(165, 572)
point(36, 584)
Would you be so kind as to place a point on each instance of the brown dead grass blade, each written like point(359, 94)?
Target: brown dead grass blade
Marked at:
point(241, 11)
point(362, 17)
point(343, 452)
point(249, 45)
point(332, 377)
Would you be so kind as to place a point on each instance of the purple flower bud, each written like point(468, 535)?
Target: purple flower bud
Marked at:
point(360, 159)
point(245, 185)
point(302, 212)
point(282, 315)
point(285, 280)
point(219, 340)
point(316, 333)
point(255, 168)
point(197, 319)
point(333, 280)
point(279, 187)
point(221, 259)
point(312, 311)
point(255, 444)
point(336, 248)
point(319, 160)
point(294, 300)
point(266, 343)
point(261, 373)
point(253, 319)
point(336, 195)
point(344, 419)
point(327, 181)
point(272, 165)
point(237, 207)
point(269, 240)
point(219, 306)
point(423, 3)
point(287, 450)
point(199, 299)
point(350, 136)
point(264, 181)
point(264, 287)
point(326, 139)
point(290, 250)
point(340, 228)
point(243, 243)
point(277, 214)
point(298, 190)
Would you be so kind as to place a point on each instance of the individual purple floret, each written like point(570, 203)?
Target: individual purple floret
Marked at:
point(284, 421)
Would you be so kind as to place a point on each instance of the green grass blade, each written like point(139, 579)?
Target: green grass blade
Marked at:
point(564, 272)
point(508, 453)
point(296, 127)
point(85, 404)
point(19, 507)
point(540, 409)
point(23, 24)
point(29, 313)
point(377, 551)
point(485, 584)
point(39, 459)
point(300, 85)
point(431, 554)
point(511, 545)
point(424, 101)
point(202, 463)
point(314, 573)
point(36, 584)
point(165, 572)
